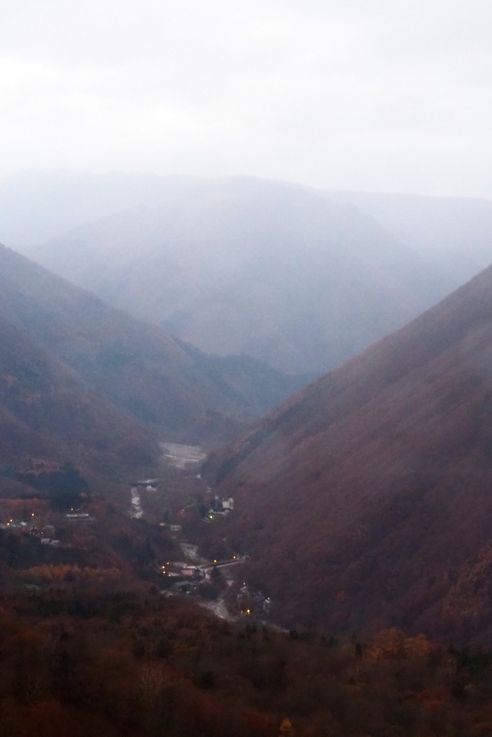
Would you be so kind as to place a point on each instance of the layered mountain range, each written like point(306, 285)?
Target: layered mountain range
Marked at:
point(365, 500)
point(84, 382)
point(279, 272)
point(297, 277)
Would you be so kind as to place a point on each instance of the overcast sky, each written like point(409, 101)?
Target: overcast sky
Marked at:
point(385, 95)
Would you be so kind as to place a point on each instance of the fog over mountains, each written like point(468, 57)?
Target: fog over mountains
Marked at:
point(245, 369)
point(223, 278)
point(83, 382)
point(299, 278)
point(453, 233)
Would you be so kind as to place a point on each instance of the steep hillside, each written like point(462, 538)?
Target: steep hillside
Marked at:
point(49, 418)
point(147, 373)
point(366, 499)
point(244, 266)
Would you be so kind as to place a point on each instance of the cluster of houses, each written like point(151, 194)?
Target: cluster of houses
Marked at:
point(181, 570)
point(220, 507)
point(253, 603)
point(213, 507)
point(12, 524)
point(45, 534)
point(147, 484)
point(175, 530)
point(79, 517)
point(48, 541)
point(184, 578)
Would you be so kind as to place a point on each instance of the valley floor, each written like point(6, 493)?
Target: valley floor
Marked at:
point(116, 619)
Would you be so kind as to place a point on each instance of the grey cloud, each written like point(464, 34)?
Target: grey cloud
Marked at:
point(362, 95)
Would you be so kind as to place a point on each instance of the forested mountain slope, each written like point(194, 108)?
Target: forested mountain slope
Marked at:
point(50, 418)
point(366, 499)
point(151, 375)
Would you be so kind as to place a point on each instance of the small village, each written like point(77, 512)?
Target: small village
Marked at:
point(212, 582)
point(33, 528)
point(215, 583)
point(43, 527)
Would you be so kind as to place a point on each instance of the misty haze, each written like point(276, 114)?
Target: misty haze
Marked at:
point(245, 369)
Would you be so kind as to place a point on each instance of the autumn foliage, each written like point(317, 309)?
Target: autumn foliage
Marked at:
point(365, 501)
point(122, 663)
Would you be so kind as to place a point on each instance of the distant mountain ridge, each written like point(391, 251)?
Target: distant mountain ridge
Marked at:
point(275, 271)
point(84, 382)
point(166, 249)
point(365, 501)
